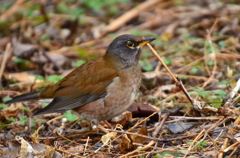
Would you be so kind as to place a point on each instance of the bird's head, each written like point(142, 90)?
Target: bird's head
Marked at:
point(124, 51)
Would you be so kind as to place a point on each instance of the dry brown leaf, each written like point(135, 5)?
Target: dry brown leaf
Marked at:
point(143, 110)
point(139, 139)
point(122, 119)
point(126, 144)
point(22, 77)
point(23, 50)
point(105, 138)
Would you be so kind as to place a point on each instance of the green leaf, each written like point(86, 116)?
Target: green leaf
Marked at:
point(194, 70)
point(45, 104)
point(210, 63)
point(220, 93)
point(39, 77)
point(5, 99)
point(12, 119)
point(189, 142)
point(24, 108)
point(23, 120)
point(54, 78)
point(76, 12)
point(3, 125)
point(201, 92)
point(20, 61)
point(210, 47)
point(224, 83)
point(69, 116)
point(167, 154)
point(216, 103)
point(80, 62)
point(182, 77)
point(3, 106)
point(44, 37)
point(63, 8)
point(143, 33)
point(41, 120)
point(222, 44)
point(202, 145)
point(167, 61)
point(146, 65)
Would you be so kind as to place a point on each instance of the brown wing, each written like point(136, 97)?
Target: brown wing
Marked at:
point(83, 85)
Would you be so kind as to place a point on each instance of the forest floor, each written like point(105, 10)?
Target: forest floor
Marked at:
point(42, 41)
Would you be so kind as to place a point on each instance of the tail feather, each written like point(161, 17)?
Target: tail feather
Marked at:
point(24, 97)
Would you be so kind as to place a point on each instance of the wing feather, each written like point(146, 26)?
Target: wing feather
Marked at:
point(83, 85)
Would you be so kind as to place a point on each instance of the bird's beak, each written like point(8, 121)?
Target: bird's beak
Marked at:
point(146, 40)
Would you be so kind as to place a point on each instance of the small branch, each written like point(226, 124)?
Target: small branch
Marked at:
point(139, 149)
point(6, 55)
point(224, 146)
point(178, 82)
point(55, 65)
point(156, 131)
point(160, 59)
point(196, 139)
point(66, 152)
point(147, 5)
point(14, 8)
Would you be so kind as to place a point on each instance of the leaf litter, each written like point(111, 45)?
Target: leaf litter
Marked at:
point(197, 40)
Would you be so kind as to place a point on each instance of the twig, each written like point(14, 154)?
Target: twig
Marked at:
point(14, 8)
point(190, 64)
point(66, 152)
point(43, 11)
point(139, 149)
point(220, 155)
point(48, 122)
point(231, 56)
point(156, 131)
point(55, 65)
point(147, 5)
point(153, 74)
point(234, 150)
point(231, 146)
point(204, 136)
point(160, 59)
point(127, 132)
point(196, 139)
point(58, 134)
point(135, 134)
point(102, 128)
point(179, 118)
point(213, 53)
point(86, 146)
point(6, 55)
point(178, 82)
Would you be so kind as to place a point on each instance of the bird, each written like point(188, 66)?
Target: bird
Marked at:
point(100, 89)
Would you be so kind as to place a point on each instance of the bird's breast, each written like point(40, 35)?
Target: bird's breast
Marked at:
point(120, 95)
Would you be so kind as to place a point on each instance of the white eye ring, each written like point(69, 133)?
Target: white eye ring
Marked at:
point(130, 44)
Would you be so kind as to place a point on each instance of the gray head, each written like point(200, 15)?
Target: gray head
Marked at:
point(124, 51)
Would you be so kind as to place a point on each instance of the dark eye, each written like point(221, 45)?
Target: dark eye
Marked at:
point(130, 44)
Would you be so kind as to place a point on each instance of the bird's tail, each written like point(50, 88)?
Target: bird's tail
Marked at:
point(24, 97)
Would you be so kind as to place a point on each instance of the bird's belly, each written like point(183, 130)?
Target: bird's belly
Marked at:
point(119, 97)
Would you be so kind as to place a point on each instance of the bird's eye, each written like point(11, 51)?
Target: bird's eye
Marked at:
point(130, 44)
